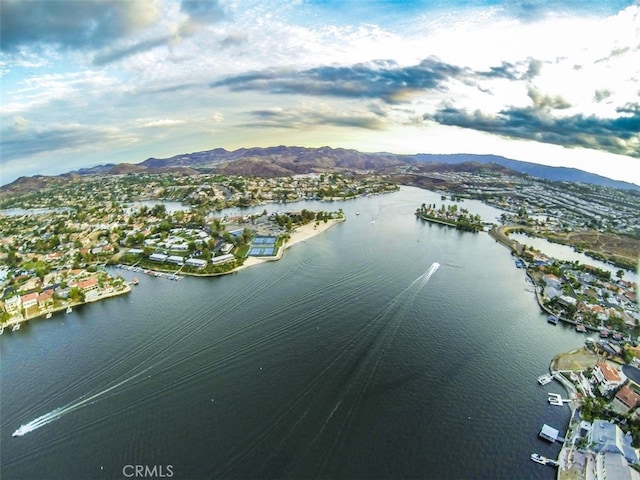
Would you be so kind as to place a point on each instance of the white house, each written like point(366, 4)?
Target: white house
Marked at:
point(607, 377)
point(13, 305)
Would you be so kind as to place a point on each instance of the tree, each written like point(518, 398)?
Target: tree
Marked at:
point(620, 274)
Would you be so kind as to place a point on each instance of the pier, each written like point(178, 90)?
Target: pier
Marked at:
point(556, 399)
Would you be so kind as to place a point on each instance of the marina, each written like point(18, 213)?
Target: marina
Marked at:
point(152, 273)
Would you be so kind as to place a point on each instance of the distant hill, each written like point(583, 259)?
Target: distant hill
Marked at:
point(279, 160)
point(285, 161)
point(563, 174)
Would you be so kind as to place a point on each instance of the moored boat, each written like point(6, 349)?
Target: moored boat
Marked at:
point(69, 310)
point(553, 319)
point(581, 328)
point(543, 460)
point(544, 379)
point(16, 326)
point(538, 458)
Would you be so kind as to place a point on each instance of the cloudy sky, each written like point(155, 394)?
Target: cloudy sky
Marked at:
point(107, 81)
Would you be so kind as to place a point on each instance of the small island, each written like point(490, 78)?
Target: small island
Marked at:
point(450, 216)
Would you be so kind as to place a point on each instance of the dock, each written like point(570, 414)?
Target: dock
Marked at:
point(551, 434)
point(556, 399)
point(153, 273)
point(544, 460)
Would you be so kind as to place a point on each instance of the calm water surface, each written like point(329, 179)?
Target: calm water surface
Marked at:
point(342, 360)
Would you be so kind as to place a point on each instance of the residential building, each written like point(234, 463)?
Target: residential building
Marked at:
point(13, 305)
point(29, 300)
point(607, 377)
point(626, 399)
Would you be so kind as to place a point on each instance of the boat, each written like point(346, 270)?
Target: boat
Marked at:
point(543, 460)
point(357, 213)
point(68, 310)
point(544, 379)
point(16, 326)
point(1, 330)
point(604, 333)
point(539, 458)
point(581, 328)
point(134, 281)
point(617, 336)
point(552, 319)
point(48, 315)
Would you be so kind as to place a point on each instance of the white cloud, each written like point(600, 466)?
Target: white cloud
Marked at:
point(158, 65)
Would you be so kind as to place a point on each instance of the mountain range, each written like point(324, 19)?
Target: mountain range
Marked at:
point(286, 161)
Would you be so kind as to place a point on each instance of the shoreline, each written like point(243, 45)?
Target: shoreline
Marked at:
point(41, 314)
point(298, 235)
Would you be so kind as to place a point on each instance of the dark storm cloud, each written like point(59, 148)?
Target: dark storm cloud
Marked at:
point(115, 54)
point(296, 119)
point(506, 70)
point(545, 102)
point(616, 135)
point(382, 79)
point(20, 143)
point(71, 23)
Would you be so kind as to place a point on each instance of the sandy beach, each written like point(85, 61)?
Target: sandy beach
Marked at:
point(299, 234)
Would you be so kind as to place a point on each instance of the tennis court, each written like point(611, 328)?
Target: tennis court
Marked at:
point(261, 251)
point(260, 240)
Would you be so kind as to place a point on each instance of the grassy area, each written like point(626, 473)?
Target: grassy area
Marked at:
point(575, 360)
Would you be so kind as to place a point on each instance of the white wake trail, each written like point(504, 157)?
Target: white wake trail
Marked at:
point(432, 269)
point(54, 415)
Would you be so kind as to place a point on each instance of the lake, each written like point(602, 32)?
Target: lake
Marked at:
point(355, 356)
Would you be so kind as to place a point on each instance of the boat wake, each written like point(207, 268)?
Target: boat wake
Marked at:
point(54, 415)
point(427, 275)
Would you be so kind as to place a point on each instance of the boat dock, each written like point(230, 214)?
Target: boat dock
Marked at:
point(556, 399)
point(153, 273)
point(551, 434)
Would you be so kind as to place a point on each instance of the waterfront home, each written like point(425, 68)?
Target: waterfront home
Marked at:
point(158, 257)
point(195, 262)
point(607, 377)
point(606, 437)
point(29, 300)
point(45, 299)
point(223, 259)
point(88, 285)
point(13, 305)
point(177, 259)
point(626, 399)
